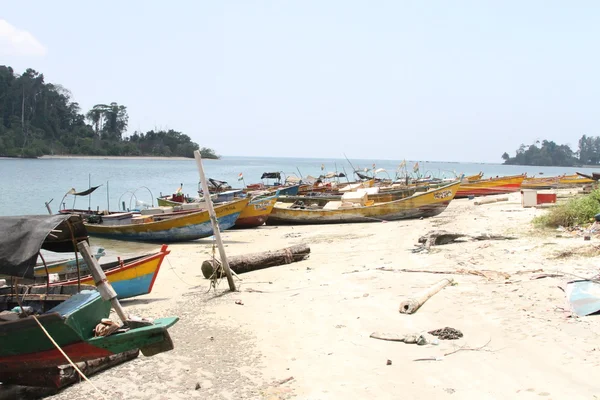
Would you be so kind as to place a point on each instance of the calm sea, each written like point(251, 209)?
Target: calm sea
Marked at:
point(26, 184)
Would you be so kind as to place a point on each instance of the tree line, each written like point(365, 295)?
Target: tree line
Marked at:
point(39, 118)
point(548, 153)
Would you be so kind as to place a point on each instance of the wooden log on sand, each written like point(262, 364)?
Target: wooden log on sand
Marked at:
point(256, 261)
point(412, 304)
point(489, 200)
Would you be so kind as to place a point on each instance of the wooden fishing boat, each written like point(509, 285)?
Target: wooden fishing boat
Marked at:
point(472, 178)
point(378, 197)
point(256, 212)
point(129, 278)
point(170, 227)
point(63, 267)
point(484, 187)
point(27, 356)
point(574, 180)
point(540, 183)
point(26, 353)
point(420, 205)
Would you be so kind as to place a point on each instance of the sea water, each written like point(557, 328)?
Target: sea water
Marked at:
point(26, 184)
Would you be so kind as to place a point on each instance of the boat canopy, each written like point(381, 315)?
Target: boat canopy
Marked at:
point(271, 175)
point(84, 193)
point(24, 236)
point(333, 175)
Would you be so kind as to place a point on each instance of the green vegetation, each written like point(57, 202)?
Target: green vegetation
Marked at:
point(577, 211)
point(551, 154)
point(38, 118)
point(548, 154)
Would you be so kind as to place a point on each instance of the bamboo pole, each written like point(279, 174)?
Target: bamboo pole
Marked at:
point(102, 284)
point(213, 220)
point(412, 304)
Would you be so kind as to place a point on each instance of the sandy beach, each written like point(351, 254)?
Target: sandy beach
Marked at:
point(312, 320)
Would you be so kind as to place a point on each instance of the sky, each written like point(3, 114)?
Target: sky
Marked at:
point(426, 80)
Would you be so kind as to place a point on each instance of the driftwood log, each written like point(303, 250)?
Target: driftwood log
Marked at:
point(490, 200)
point(256, 261)
point(412, 304)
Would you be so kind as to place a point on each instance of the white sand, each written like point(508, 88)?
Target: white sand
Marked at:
point(314, 320)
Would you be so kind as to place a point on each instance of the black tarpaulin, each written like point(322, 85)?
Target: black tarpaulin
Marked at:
point(271, 175)
point(86, 192)
point(22, 237)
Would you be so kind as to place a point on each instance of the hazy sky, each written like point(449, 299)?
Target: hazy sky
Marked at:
point(427, 80)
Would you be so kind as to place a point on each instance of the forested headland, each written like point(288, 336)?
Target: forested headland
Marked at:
point(548, 153)
point(39, 118)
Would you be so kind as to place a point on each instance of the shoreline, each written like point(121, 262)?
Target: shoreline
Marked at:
point(79, 157)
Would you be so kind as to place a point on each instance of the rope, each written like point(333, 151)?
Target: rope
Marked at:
point(68, 359)
point(178, 277)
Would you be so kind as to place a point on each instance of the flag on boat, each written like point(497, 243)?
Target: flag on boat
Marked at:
point(240, 176)
point(180, 189)
point(416, 166)
point(373, 167)
point(402, 164)
point(322, 167)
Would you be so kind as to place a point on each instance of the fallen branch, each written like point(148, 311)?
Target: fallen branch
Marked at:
point(286, 380)
point(488, 274)
point(441, 237)
point(411, 305)
point(540, 276)
point(462, 348)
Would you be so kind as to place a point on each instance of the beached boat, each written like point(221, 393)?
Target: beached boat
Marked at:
point(472, 178)
point(484, 187)
point(66, 266)
point(129, 278)
point(540, 183)
point(256, 212)
point(378, 196)
point(26, 353)
point(171, 226)
point(574, 180)
point(355, 208)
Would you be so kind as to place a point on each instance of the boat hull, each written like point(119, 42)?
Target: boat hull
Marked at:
point(191, 226)
point(492, 186)
point(424, 205)
point(256, 212)
point(129, 280)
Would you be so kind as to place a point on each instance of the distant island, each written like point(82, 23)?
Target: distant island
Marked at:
point(39, 118)
point(549, 154)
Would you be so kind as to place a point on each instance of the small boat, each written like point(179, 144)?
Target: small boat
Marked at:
point(129, 278)
point(484, 187)
point(575, 179)
point(355, 207)
point(378, 196)
point(64, 267)
point(256, 212)
point(540, 183)
point(165, 225)
point(472, 178)
point(27, 356)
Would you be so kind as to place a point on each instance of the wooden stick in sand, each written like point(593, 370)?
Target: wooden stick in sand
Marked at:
point(102, 284)
point(213, 220)
point(412, 304)
point(490, 200)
